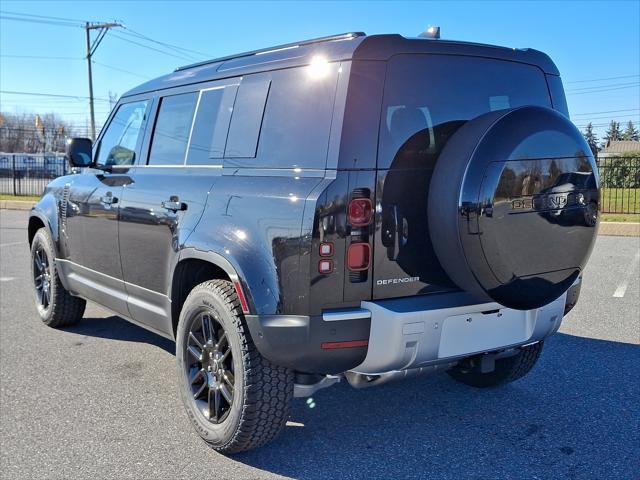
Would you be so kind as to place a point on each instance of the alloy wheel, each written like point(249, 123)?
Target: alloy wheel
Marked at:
point(208, 363)
point(42, 277)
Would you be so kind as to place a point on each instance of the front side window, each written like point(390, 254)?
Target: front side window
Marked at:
point(119, 143)
point(171, 133)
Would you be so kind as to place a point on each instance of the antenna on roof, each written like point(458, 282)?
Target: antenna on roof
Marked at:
point(431, 32)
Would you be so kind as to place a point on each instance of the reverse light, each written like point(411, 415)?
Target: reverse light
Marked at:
point(325, 266)
point(360, 212)
point(326, 249)
point(358, 256)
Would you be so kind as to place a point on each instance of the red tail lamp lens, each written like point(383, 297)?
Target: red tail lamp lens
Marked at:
point(325, 266)
point(358, 256)
point(360, 212)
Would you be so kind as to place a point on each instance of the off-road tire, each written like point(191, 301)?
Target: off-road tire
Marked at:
point(64, 309)
point(262, 391)
point(507, 369)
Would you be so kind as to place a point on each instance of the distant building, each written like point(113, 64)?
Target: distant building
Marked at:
point(615, 148)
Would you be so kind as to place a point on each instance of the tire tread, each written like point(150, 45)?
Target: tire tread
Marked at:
point(268, 387)
point(66, 310)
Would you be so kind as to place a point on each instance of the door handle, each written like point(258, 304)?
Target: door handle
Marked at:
point(394, 231)
point(174, 204)
point(108, 199)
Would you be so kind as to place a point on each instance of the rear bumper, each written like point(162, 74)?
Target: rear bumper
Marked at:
point(402, 333)
point(297, 342)
point(419, 331)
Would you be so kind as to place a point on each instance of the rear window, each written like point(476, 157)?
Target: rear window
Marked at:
point(428, 97)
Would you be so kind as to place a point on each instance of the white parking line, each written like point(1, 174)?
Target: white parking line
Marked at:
point(7, 279)
point(11, 244)
point(622, 288)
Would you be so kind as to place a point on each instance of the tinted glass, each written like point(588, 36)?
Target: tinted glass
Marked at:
point(171, 133)
point(211, 126)
point(297, 118)
point(119, 143)
point(428, 97)
point(247, 117)
point(557, 94)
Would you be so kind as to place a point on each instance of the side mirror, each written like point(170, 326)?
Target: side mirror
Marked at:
point(79, 152)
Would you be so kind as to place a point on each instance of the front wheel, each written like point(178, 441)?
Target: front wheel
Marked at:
point(56, 306)
point(236, 399)
point(506, 370)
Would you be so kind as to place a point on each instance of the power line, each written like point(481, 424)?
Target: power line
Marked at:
point(11, 92)
point(611, 116)
point(35, 20)
point(604, 90)
point(121, 70)
point(42, 16)
point(40, 57)
point(131, 32)
point(603, 86)
point(607, 111)
point(601, 79)
point(181, 57)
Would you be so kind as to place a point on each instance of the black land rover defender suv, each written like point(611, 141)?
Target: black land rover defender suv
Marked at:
point(352, 207)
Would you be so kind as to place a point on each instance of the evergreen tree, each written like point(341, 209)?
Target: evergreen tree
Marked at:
point(613, 133)
point(591, 138)
point(630, 133)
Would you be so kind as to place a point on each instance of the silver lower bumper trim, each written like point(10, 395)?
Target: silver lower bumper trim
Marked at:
point(416, 332)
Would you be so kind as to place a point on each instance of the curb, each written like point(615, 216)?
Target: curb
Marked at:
point(620, 229)
point(16, 205)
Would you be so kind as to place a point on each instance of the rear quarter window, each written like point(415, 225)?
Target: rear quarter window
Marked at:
point(428, 97)
point(293, 131)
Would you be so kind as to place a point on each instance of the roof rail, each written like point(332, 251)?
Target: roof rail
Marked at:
point(330, 38)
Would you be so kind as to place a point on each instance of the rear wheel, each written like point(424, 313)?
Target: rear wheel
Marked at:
point(236, 399)
point(56, 306)
point(506, 370)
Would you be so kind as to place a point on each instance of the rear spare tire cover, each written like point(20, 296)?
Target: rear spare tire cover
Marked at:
point(511, 206)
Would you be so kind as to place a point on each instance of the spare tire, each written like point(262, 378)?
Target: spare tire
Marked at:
point(511, 206)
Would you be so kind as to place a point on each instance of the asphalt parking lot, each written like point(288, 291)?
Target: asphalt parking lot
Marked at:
point(99, 400)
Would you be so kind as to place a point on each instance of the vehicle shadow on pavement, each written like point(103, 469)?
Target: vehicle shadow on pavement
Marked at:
point(575, 415)
point(116, 328)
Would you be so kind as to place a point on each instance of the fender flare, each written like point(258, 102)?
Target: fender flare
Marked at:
point(46, 210)
point(233, 271)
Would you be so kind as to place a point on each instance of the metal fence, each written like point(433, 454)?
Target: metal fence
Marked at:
point(28, 174)
point(620, 184)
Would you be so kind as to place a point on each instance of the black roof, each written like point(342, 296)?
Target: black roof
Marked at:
point(347, 46)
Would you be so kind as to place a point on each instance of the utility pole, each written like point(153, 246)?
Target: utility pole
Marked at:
point(91, 49)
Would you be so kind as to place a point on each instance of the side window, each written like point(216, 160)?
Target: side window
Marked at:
point(244, 130)
point(119, 142)
point(171, 132)
point(294, 130)
point(211, 125)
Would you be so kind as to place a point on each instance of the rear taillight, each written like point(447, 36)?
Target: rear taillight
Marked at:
point(360, 212)
point(358, 256)
point(325, 266)
point(326, 249)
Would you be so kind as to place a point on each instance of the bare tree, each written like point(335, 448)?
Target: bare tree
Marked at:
point(32, 133)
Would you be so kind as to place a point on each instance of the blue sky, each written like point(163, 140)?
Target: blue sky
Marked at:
point(596, 45)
